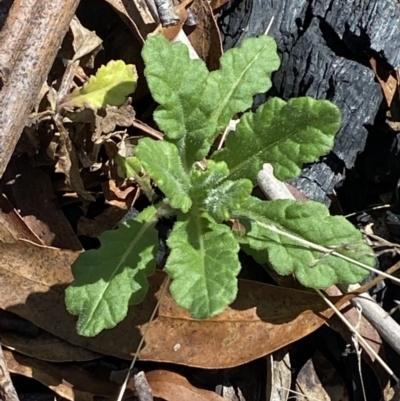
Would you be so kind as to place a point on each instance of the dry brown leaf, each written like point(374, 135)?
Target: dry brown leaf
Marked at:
point(319, 380)
point(107, 119)
point(386, 79)
point(215, 4)
point(46, 347)
point(205, 37)
point(105, 122)
point(136, 15)
point(120, 201)
point(363, 327)
point(85, 42)
point(124, 148)
point(66, 380)
point(68, 164)
point(12, 226)
point(10, 322)
point(44, 90)
point(99, 127)
point(85, 142)
point(173, 387)
point(33, 195)
point(263, 319)
point(118, 197)
point(40, 266)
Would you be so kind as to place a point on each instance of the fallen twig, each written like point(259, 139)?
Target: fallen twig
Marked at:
point(34, 31)
point(358, 335)
point(143, 390)
point(385, 325)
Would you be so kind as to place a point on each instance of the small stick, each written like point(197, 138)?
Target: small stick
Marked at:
point(272, 188)
point(164, 11)
point(358, 335)
point(143, 390)
point(384, 324)
point(359, 350)
point(24, 72)
point(231, 127)
point(139, 347)
point(269, 26)
point(148, 130)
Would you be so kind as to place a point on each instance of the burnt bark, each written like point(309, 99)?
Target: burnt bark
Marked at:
point(324, 48)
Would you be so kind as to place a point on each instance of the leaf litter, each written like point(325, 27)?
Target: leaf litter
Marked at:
point(33, 277)
point(257, 316)
point(68, 381)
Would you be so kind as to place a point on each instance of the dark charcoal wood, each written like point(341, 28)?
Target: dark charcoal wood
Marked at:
point(324, 47)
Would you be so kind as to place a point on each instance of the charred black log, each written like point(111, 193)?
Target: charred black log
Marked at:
point(324, 47)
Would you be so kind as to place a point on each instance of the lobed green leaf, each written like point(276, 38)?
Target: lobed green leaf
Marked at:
point(203, 181)
point(244, 72)
point(109, 279)
point(224, 199)
point(177, 83)
point(216, 195)
point(203, 265)
point(110, 86)
point(162, 162)
point(195, 104)
point(311, 222)
point(285, 134)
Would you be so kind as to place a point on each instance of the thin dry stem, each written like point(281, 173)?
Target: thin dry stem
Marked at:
point(142, 340)
point(358, 335)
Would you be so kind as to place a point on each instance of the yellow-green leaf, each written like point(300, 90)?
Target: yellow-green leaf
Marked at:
point(110, 86)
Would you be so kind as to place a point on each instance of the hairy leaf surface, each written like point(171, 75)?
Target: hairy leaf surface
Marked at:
point(244, 72)
point(195, 104)
point(310, 221)
point(110, 86)
point(178, 89)
point(214, 194)
point(203, 265)
point(203, 181)
point(109, 279)
point(230, 195)
point(162, 162)
point(285, 134)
